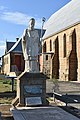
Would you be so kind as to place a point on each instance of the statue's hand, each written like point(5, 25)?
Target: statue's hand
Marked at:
point(24, 38)
point(25, 57)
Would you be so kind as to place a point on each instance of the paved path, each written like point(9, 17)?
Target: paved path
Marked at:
point(42, 113)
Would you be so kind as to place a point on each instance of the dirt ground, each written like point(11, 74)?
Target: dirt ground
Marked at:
point(5, 112)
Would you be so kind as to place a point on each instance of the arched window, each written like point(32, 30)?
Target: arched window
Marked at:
point(44, 47)
point(74, 40)
point(73, 60)
point(50, 45)
point(64, 45)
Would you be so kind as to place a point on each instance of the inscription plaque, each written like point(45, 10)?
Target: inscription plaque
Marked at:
point(33, 101)
point(34, 89)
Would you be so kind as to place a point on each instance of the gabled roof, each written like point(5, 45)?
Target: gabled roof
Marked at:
point(9, 45)
point(64, 18)
point(17, 47)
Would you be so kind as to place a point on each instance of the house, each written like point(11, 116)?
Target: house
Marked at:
point(61, 43)
point(12, 60)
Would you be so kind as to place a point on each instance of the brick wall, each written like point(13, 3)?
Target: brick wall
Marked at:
point(69, 64)
point(6, 64)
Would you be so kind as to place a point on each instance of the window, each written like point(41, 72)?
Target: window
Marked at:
point(46, 57)
point(50, 45)
point(64, 45)
point(44, 47)
point(74, 41)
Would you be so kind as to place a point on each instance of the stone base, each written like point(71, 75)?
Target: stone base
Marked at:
point(31, 86)
point(15, 101)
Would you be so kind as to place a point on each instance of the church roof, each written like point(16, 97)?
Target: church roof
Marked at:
point(9, 45)
point(64, 18)
point(17, 47)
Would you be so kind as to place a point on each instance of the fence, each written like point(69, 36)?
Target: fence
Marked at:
point(66, 98)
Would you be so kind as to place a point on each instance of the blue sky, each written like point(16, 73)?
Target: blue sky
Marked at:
point(15, 15)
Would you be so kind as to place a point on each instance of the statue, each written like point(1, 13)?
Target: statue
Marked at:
point(30, 47)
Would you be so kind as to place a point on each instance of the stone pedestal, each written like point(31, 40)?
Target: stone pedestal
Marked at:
point(31, 89)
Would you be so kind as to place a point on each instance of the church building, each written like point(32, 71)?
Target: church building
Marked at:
point(61, 43)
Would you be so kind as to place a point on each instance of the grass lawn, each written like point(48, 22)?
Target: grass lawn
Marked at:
point(5, 84)
point(6, 87)
point(6, 100)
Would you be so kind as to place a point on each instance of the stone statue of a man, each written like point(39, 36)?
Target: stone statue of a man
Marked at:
point(30, 47)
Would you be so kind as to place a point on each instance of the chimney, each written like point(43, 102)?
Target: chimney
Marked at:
point(17, 39)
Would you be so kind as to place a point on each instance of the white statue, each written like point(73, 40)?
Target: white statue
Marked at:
point(30, 47)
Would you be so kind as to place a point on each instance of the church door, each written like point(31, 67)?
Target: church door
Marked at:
point(18, 62)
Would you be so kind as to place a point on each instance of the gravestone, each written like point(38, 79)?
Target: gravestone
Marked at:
point(31, 89)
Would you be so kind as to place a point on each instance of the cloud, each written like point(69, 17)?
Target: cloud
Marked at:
point(3, 8)
point(2, 46)
point(15, 17)
point(18, 17)
point(2, 42)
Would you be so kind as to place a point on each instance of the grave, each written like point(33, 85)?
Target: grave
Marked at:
point(31, 89)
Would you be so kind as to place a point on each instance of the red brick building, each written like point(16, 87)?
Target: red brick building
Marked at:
point(12, 60)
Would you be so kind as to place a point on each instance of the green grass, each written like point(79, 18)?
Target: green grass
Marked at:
point(5, 84)
point(6, 100)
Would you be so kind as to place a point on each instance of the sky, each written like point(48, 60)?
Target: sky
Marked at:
point(15, 16)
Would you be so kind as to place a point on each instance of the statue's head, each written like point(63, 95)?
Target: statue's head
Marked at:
point(31, 23)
